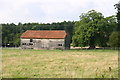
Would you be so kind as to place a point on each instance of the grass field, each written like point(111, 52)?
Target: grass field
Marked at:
point(59, 64)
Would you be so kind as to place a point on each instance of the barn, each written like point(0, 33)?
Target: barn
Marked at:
point(45, 39)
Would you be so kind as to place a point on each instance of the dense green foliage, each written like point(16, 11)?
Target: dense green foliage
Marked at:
point(11, 32)
point(114, 39)
point(93, 29)
point(118, 15)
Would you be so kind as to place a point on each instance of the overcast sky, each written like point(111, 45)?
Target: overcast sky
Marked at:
point(47, 11)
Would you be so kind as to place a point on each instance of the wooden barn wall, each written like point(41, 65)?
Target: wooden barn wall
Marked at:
point(43, 44)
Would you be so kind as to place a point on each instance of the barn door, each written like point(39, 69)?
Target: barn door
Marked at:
point(45, 44)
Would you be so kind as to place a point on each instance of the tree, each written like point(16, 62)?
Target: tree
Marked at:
point(16, 40)
point(92, 30)
point(114, 39)
point(118, 14)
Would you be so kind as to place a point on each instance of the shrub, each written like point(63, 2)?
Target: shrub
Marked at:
point(114, 39)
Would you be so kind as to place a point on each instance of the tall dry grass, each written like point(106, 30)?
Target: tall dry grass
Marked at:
point(59, 64)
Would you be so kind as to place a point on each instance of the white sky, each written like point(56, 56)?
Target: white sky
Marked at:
point(47, 11)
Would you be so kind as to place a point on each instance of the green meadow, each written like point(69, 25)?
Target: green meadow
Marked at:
point(18, 63)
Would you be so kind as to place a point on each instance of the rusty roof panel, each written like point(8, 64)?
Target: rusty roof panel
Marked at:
point(44, 34)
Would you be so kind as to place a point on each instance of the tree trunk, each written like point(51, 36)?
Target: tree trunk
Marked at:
point(92, 43)
point(92, 47)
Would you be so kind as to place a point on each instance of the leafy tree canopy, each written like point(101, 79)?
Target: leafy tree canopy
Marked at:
point(92, 29)
point(114, 39)
point(118, 14)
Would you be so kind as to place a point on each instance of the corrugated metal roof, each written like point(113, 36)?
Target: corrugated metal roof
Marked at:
point(44, 34)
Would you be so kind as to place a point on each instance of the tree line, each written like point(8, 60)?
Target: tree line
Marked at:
point(11, 32)
point(93, 29)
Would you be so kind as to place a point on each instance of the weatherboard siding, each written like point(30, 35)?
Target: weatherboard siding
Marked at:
point(43, 44)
